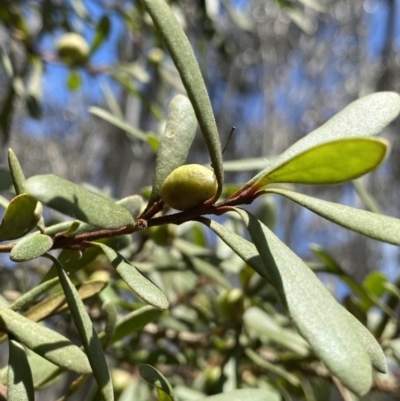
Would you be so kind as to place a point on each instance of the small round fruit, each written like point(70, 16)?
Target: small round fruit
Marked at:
point(72, 49)
point(189, 186)
point(231, 304)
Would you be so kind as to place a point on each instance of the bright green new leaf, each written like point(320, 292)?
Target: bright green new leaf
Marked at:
point(175, 142)
point(20, 382)
point(158, 380)
point(185, 61)
point(138, 283)
point(17, 174)
point(31, 247)
point(364, 117)
point(87, 333)
point(377, 226)
point(74, 80)
point(102, 31)
point(80, 203)
point(248, 394)
point(329, 163)
point(317, 315)
point(19, 217)
point(47, 343)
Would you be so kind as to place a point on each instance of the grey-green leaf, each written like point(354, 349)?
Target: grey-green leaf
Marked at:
point(138, 283)
point(87, 332)
point(80, 203)
point(157, 379)
point(19, 217)
point(47, 343)
point(317, 315)
point(186, 63)
point(20, 382)
point(175, 142)
point(373, 225)
point(248, 394)
point(31, 247)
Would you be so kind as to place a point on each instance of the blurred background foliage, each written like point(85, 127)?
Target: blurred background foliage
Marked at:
point(275, 69)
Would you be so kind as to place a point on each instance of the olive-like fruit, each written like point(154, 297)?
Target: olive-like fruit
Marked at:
point(72, 49)
point(231, 304)
point(189, 186)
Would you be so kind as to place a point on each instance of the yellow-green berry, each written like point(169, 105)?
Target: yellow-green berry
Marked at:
point(72, 49)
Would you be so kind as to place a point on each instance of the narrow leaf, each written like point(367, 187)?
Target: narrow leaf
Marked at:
point(31, 247)
point(75, 201)
point(20, 383)
point(118, 122)
point(111, 319)
point(186, 63)
point(158, 380)
point(102, 31)
point(317, 315)
point(47, 343)
point(90, 340)
point(377, 226)
point(18, 218)
point(329, 163)
point(175, 142)
point(17, 174)
point(248, 394)
point(138, 283)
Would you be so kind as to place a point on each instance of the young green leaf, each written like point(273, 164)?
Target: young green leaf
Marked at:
point(31, 247)
point(364, 117)
point(102, 31)
point(80, 203)
point(328, 163)
point(175, 142)
point(317, 315)
point(377, 226)
point(20, 383)
point(110, 311)
point(17, 174)
point(138, 283)
point(186, 63)
point(248, 394)
point(19, 217)
point(158, 380)
point(47, 343)
point(87, 332)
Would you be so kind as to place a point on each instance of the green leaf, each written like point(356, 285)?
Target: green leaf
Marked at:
point(47, 343)
point(18, 218)
point(56, 303)
point(265, 326)
point(20, 383)
point(329, 163)
point(74, 81)
point(102, 31)
point(175, 142)
point(317, 315)
point(134, 322)
point(111, 319)
point(87, 333)
point(75, 201)
point(158, 380)
point(31, 247)
point(364, 117)
point(17, 174)
point(377, 226)
point(119, 123)
point(186, 63)
point(248, 394)
point(138, 283)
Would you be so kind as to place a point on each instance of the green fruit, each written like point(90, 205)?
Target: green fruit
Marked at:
point(189, 186)
point(72, 49)
point(162, 235)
